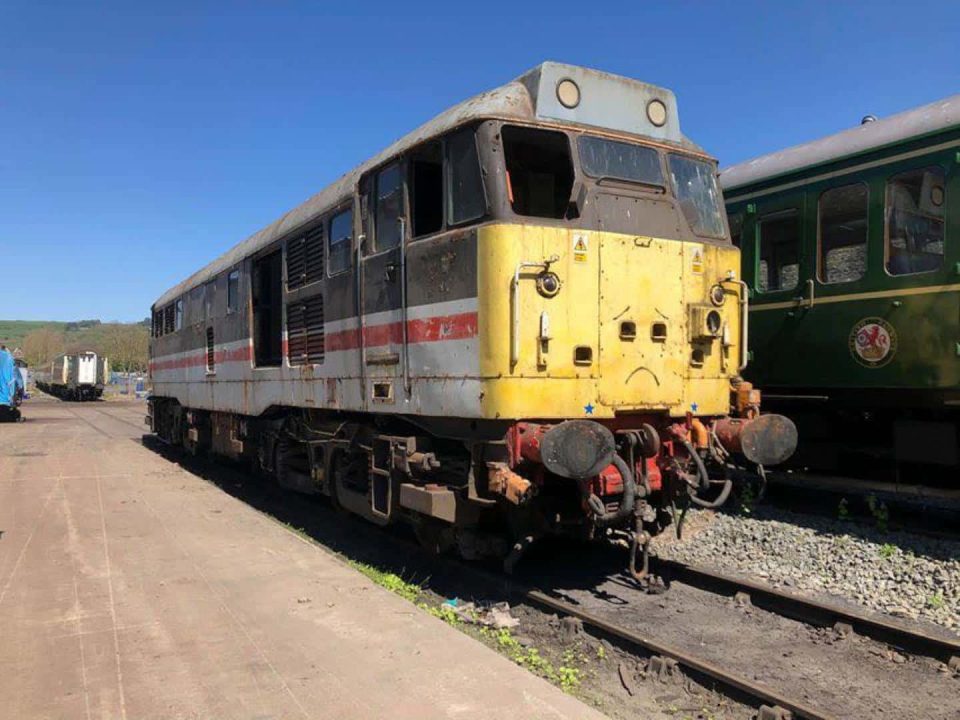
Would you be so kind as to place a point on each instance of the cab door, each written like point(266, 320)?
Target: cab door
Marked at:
point(382, 283)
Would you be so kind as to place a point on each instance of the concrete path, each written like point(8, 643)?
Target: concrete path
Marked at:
point(130, 588)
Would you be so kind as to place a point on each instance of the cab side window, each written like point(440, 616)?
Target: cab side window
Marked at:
point(779, 251)
point(842, 232)
point(466, 197)
point(914, 221)
point(340, 239)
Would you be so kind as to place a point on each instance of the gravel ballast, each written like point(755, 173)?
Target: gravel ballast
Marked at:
point(898, 573)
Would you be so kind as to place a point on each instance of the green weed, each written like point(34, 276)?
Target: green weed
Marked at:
point(887, 551)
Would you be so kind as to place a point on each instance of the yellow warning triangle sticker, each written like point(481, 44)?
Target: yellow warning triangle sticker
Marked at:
point(580, 245)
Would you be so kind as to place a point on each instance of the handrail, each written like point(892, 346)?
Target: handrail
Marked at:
point(403, 302)
point(744, 300)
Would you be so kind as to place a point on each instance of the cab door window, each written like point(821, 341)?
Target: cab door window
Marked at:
point(914, 221)
point(842, 233)
point(778, 267)
point(389, 207)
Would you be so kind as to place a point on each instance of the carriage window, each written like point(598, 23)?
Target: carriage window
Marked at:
point(779, 252)
point(389, 207)
point(340, 239)
point(914, 221)
point(539, 171)
point(843, 234)
point(736, 227)
point(426, 192)
point(233, 291)
point(466, 198)
point(695, 185)
point(620, 161)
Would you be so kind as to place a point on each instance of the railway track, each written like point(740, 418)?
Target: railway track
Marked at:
point(771, 704)
point(637, 634)
point(815, 612)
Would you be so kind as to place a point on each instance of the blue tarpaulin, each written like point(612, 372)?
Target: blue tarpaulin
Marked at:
point(10, 378)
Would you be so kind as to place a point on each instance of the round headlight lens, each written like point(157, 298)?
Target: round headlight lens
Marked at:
point(657, 112)
point(548, 284)
point(568, 93)
point(717, 295)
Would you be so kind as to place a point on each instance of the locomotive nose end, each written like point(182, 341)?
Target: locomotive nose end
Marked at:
point(577, 449)
point(768, 439)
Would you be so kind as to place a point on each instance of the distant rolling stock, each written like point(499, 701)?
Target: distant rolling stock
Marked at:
point(78, 376)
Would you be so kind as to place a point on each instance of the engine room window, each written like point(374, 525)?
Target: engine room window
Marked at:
point(340, 242)
point(914, 221)
point(466, 197)
point(389, 199)
point(426, 190)
point(178, 322)
point(842, 218)
point(233, 291)
point(601, 159)
point(779, 252)
point(695, 185)
point(539, 171)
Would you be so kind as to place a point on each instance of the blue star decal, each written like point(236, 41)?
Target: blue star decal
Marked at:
point(588, 408)
point(694, 406)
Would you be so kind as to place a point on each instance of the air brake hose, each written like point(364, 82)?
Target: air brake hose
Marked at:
point(601, 517)
point(705, 481)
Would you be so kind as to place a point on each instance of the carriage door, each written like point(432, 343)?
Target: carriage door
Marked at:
point(775, 266)
point(383, 289)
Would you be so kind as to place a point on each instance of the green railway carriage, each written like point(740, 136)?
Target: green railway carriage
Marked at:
point(851, 247)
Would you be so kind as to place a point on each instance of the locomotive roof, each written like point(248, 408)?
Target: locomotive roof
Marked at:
point(611, 102)
point(925, 120)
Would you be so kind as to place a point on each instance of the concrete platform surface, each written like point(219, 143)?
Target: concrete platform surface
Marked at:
point(130, 588)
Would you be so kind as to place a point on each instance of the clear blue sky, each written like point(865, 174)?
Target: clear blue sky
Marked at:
point(140, 140)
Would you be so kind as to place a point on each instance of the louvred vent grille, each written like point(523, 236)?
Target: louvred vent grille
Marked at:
point(211, 359)
point(305, 340)
point(305, 258)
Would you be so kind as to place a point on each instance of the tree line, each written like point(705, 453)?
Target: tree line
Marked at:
point(124, 345)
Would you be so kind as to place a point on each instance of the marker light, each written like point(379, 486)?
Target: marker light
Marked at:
point(657, 112)
point(568, 93)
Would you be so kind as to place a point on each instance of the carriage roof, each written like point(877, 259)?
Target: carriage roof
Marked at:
point(610, 102)
point(919, 122)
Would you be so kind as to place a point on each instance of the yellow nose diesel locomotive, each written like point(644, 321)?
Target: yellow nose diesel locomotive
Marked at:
point(522, 318)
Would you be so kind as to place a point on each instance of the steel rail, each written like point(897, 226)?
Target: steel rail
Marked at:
point(815, 612)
